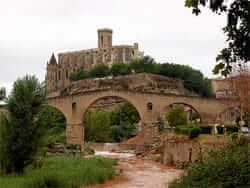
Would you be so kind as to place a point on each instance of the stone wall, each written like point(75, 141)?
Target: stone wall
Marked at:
point(142, 82)
point(179, 150)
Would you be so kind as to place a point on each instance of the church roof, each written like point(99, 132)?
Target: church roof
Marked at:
point(52, 60)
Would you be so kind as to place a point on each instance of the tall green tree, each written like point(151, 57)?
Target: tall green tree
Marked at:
point(2, 93)
point(24, 130)
point(237, 31)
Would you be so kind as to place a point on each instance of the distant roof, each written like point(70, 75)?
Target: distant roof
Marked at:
point(105, 29)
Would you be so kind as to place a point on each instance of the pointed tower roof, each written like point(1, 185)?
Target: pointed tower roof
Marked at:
point(52, 60)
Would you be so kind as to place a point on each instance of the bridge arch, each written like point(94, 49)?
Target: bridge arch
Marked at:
point(229, 115)
point(111, 96)
point(189, 108)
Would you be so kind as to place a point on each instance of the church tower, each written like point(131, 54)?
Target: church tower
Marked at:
point(51, 76)
point(105, 38)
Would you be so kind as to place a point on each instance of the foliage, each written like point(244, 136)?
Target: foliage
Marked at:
point(64, 172)
point(194, 132)
point(115, 126)
point(52, 119)
point(4, 160)
point(237, 31)
point(193, 79)
point(2, 93)
point(25, 130)
point(78, 75)
point(97, 125)
point(118, 69)
point(176, 116)
point(99, 70)
point(182, 129)
point(220, 129)
point(232, 129)
point(205, 129)
point(223, 168)
point(190, 130)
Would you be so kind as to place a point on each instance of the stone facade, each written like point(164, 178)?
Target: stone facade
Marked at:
point(179, 150)
point(58, 73)
point(222, 87)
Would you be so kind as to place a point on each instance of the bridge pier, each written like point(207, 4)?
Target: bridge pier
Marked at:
point(75, 134)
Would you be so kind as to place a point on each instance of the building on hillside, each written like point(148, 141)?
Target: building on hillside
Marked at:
point(57, 76)
point(222, 87)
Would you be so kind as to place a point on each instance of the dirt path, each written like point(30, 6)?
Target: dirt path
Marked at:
point(138, 173)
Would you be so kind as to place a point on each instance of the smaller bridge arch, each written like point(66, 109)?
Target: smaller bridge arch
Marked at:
point(187, 107)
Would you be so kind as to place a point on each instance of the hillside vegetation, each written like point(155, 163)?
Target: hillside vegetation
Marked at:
point(193, 79)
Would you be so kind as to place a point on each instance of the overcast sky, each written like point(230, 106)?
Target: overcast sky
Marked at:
point(32, 29)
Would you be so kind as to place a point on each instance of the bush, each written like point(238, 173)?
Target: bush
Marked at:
point(177, 116)
point(232, 129)
point(205, 129)
point(99, 70)
point(182, 129)
point(191, 131)
point(220, 129)
point(223, 168)
point(194, 132)
point(120, 69)
point(78, 75)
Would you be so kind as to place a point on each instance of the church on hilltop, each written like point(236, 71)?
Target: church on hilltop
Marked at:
point(57, 76)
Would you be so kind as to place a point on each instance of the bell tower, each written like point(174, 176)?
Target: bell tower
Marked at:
point(105, 38)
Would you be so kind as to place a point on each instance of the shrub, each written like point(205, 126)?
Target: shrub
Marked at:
point(177, 116)
point(220, 129)
point(194, 132)
point(191, 131)
point(182, 129)
point(78, 75)
point(205, 129)
point(99, 70)
point(120, 69)
point(232, 129)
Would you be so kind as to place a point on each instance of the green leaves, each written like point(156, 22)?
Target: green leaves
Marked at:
point(118, 125)
point(237, 31)
point(24, 130)
point(177, 116)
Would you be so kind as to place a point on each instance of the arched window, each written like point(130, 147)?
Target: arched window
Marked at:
point(102, 41)
point(67, 74)
point(74, 106)
point(149, 106)
point(59, 75)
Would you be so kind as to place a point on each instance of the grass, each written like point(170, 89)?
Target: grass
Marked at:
point(63, 172)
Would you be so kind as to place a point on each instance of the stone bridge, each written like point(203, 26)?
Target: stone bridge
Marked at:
point(75, 106)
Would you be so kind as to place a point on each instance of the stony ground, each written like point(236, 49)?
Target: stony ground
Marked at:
point(139, 173)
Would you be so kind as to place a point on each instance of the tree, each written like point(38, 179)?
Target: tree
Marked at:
point(78, 75)
point(97, 126)
point(237, 31)
point(2, 93)
point(177, 116)
point(24, 130)
point(99, 70)
point(120, 69)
